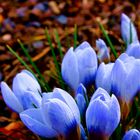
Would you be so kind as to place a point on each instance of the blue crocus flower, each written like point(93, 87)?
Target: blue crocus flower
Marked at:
point(25, 94)
point(102, 115)
point(125, 81)
point(132, 134)
point(103, 76)
point(103, 51)
point(134, 50)
point(79, 66)
point(81, 99)
point(58, 116)
point(124, 77)
point(128, 29)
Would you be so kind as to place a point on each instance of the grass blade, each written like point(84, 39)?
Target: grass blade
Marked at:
point(58, 43)
point(108, 40)
point(75, 36)
point(33, 64)
point(54, 57)
point(131, 35)
point(26, 66)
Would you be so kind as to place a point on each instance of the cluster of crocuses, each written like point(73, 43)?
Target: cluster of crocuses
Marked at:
point(85, 116)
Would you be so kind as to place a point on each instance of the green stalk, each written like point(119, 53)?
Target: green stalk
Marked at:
point(26, 66)
point(33, 64)
point(54, 57)
point(58, 43)
point(131, 35)
point(75, 36)
point(108, 40)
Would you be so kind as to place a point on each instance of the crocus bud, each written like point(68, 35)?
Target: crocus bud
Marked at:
point(103, 52)
point(103, 76)
point(81, 99)
point(132, 134)
point(25, 94)
point(128, 30)
point(125, 80)
point(102, 115)
point(79, 66)
point(58, 116)
point(134, 50)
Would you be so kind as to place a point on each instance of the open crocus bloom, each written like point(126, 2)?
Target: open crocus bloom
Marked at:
point(25, 94)
point(103, 76)
point(132, 134)
point(79, 66)
point(58, 116)
point(102, 115)
point(103, 51)
point(128, 29)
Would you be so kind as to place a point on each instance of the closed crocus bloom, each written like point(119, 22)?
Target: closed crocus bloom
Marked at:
point(132, 134)
point(59, 114)
point(128, 29)
point(79, 66)
point(134, 50)
point(124, 75)
point(125, 80)
point(103, 76)
point(25, 94)
point(103, 52)
point(102, 115)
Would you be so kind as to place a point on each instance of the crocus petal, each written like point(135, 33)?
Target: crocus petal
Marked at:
point(82, 90)
point(59, 116)
point(103, 53)
point(30, 100)
point(116, 78)
point(132, 134)
point(125, 29)
point(99, 120)
point(32, 118)
point(82, 46)
point(123, 56)
point(133, 82)
point(28, 73)
point(87, 65)
point(114, 111)
point(46, 96)
point(10, 99)
point(126, 59)
point(81, 102)
point(66, 98)
point(134, 50)
point(69, 68)
point(103, 76)
point(100, 92)
point(24, 82)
